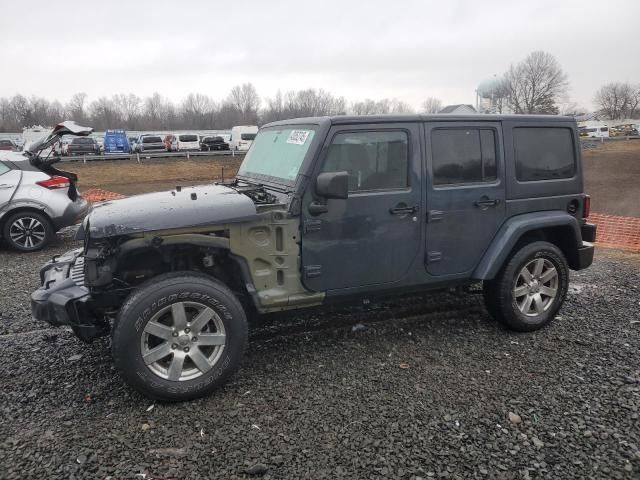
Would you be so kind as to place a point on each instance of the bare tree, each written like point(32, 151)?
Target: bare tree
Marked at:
point(634, 101)
point(380, 107)
point(398, 106)
point(367, 107)
point(246, 100)
point(130, 107)
point(614, 99)
point(198, 110)
point(157, 112)
point(535, 84)
point(76, 107)
point(431, 105)
point(105, 114)
point(302, 103)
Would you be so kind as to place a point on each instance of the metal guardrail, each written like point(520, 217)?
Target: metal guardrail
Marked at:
point(150, 156)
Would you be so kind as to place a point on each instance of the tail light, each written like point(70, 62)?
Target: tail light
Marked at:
point(55, 182)
point(586, 206)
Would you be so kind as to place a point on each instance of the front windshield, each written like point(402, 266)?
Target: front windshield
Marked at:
point(278, 152)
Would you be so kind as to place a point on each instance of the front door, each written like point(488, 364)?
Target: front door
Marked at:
point(465, 195)
point(374, 236)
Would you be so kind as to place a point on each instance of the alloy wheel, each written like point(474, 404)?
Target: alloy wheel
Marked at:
point(536, 287)
point(27, 232)
point(183, 341)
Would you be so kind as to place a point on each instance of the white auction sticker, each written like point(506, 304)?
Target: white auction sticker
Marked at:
point(298, 137)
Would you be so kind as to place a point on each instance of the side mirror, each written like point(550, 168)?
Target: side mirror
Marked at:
point(333, 185)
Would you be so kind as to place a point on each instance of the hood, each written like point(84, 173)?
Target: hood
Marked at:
point(180, 208)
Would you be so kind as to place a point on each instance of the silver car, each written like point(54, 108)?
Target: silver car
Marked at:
point(36, 199)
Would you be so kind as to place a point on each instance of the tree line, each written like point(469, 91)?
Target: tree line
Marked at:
point(537, 84)
point(243, 106)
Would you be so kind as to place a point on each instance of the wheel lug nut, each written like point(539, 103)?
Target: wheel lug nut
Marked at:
point(186, 349)
point(175, 334)
point(187, 330)
point(174, 346)
point(194, 339)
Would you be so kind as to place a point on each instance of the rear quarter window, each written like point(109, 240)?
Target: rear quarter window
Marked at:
point(544, 153)
point(82, 141)
point(188, 138)
point(3, 168)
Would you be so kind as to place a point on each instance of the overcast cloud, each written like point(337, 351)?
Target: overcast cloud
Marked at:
point(359, 49)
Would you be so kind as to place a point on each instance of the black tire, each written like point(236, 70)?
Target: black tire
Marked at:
point(500, 293)
point(39, 236)
point(149, 301)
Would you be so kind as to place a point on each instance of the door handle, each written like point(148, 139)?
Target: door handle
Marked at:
point(316, 208)
point(486, 203)
point(398, 210)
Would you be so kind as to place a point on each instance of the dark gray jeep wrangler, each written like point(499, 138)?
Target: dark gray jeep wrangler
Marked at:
point(326, 209)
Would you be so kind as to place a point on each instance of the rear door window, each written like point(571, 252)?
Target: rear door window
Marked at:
point(543, 153)
point(151, 140)
point(463, 155)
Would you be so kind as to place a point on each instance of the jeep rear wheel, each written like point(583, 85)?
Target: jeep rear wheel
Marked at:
point(179, 337)
point(530, 289)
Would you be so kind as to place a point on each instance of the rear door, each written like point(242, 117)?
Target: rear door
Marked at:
point(375, 235)
point(465, 195)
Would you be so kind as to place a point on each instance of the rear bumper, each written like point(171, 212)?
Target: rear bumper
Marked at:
point(588, 231)
point(74, 213)
point(585, 255)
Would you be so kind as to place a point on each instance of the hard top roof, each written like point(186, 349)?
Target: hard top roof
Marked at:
point(480, 117)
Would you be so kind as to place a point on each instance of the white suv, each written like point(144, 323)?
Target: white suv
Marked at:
point(184, 142)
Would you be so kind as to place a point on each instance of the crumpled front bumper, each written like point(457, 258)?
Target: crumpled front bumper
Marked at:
point(62, 299)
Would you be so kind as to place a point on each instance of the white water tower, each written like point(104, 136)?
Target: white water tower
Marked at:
point(490, 96)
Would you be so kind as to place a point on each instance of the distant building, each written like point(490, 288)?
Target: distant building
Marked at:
point(460, 109)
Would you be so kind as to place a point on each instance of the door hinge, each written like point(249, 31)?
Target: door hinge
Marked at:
point(311, 271)
point(433, 257)
point(312, 225)
point(434, 216)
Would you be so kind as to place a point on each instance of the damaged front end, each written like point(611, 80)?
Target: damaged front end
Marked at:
point(65, 300)
point(128, 242)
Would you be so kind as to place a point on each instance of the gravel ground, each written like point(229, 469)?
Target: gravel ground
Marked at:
point(423, 387)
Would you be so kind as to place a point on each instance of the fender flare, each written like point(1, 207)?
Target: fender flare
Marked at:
point(33, 204)
point(511, 232)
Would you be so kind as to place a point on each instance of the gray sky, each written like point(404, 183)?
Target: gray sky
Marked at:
point(359, 49)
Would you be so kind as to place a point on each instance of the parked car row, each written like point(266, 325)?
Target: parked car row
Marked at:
point(626, 130)
point(604, 131)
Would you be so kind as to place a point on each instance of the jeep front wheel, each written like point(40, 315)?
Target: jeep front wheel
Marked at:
point(530, 289)
point(179, 337)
